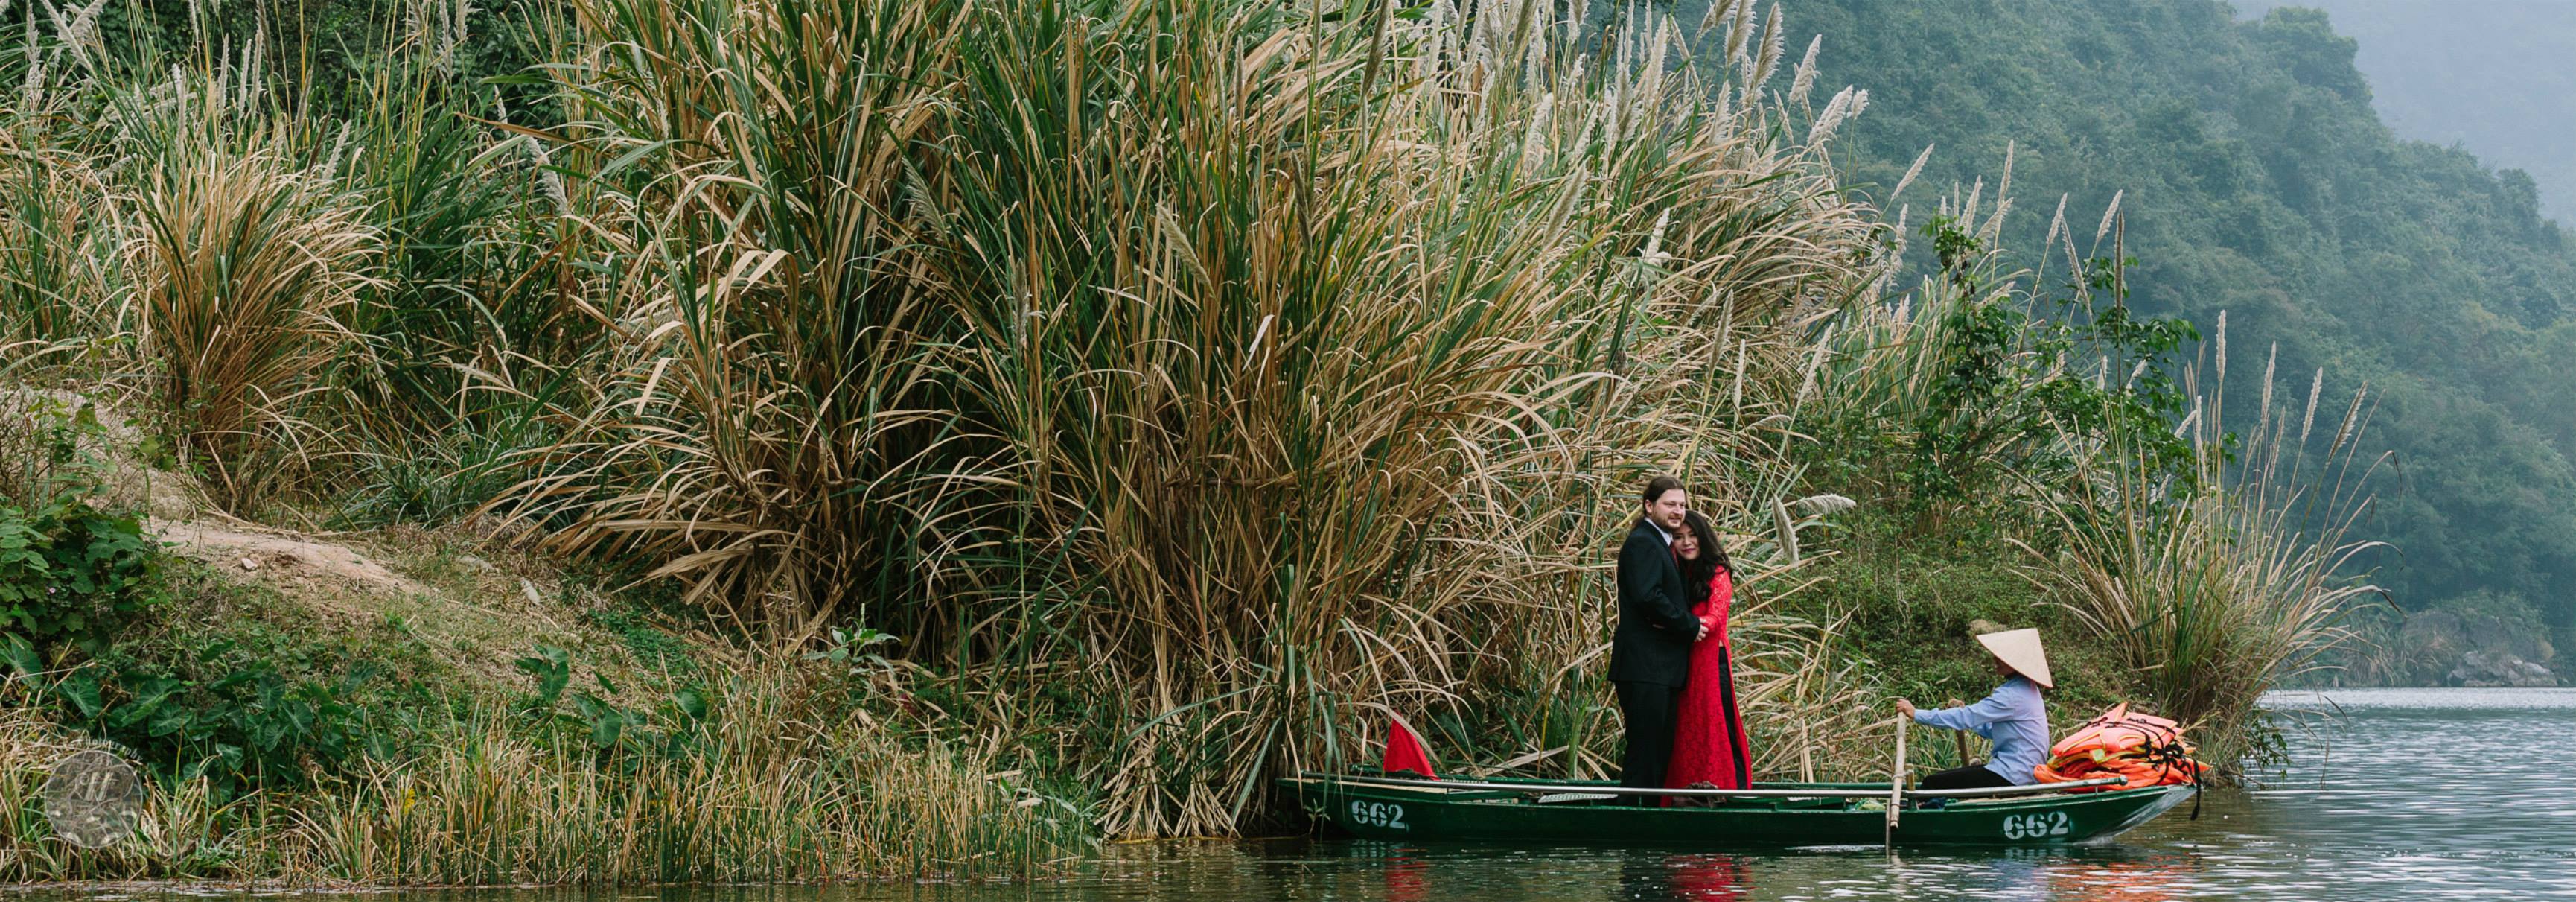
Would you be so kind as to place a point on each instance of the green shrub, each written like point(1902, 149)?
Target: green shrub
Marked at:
point(227, 684)
point(233, 721)
point(71, 572)
point(70, 569)
point(620, 735)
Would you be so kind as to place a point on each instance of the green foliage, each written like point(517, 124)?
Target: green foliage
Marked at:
point(2496, 77)
point(1988, 387)
point(616, 732)
point(233, 718)
point(1909, 608)
point(551, 667)
point(325, 52)
point(849, 649)
point(2259, 181)
point(2423, 648)
point(244, 704)
point(653, 646)
point(1954, 246)
point(70, 569)
point(78, 581)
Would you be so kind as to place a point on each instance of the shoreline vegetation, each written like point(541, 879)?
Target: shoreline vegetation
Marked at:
point(805, 440)
point(2259, 178)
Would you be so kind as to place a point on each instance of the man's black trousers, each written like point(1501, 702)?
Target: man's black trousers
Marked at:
point(1650, 711)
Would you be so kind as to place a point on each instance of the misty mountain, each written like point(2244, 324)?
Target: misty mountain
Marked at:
point(2496, 77)
point(2260, 181)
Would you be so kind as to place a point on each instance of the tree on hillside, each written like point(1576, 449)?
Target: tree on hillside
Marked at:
point(2256, 179)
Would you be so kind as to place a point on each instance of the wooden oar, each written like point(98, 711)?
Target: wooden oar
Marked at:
point(1958, 737)
point(1896, 783)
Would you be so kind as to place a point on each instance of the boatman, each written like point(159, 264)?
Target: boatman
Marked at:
point(1650, 651)
point(2015, 717)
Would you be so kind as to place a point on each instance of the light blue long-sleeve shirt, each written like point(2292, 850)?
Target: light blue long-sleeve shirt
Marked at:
point(2014, 717)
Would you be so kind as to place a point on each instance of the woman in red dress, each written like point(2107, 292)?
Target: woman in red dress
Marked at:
point(1708, 740)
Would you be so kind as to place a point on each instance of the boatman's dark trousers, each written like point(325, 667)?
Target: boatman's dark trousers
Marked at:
point(1650, 711)
point(1972, 777)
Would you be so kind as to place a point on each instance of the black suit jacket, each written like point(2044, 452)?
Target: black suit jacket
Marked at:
point(1653, 642)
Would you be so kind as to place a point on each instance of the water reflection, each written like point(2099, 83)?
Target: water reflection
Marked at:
point(1408, 879)
point(1703, 878)
point(2405, 794)
point(1436, 871)
point(2153, 879)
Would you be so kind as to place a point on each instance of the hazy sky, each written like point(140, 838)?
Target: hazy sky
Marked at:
point(2497, 77)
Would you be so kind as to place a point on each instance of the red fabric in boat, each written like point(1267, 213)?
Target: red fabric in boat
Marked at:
point(1708, 739)
point(1404, 751)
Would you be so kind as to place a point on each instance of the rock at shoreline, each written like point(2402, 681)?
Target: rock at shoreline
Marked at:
point(2500, 669)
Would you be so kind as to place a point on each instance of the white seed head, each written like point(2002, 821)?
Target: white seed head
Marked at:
point(1804, 80)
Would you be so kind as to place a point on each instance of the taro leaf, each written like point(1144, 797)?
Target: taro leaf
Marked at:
point(690, 702)
point(553, 669)
point(607, 721)
point(168, 720)
point(267, 734)
point(20, 655)
point(80, 687)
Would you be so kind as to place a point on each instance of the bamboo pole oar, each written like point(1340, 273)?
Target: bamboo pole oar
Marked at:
point(1958, 737)
point(1896, 782)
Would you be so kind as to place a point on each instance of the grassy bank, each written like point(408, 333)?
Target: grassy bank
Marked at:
point(288, 740)
point(820, 439)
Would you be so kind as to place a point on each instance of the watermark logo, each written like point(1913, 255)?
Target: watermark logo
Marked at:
point(93, 799)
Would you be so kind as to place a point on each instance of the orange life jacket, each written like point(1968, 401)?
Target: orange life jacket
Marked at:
point(2143, 749)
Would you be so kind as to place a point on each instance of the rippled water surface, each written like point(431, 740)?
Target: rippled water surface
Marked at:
point(2396, 794)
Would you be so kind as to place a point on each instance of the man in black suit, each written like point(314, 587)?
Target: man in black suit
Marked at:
point(1650, 652)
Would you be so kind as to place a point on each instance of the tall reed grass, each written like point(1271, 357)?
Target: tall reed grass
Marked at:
point(59, 233)
point(767, 795)
point(2216, 576)
point(766, 798)
point(244, 263)
point(1275, 361)
point(180, 830)
point(770, 434)
point(2222, 586)
point(477, 314)
point(56, 235)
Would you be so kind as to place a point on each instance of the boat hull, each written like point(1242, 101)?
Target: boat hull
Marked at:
point(1383, 812)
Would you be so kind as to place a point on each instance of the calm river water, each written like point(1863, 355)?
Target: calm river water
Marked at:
point(2398, 794)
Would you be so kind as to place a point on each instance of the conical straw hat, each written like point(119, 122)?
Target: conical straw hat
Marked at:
point(2020, 650)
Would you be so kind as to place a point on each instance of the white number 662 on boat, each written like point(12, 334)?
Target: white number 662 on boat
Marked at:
point(2035, 826)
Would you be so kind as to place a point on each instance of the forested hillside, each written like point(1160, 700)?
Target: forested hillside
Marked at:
point(2497, 77)
point(2258, 181)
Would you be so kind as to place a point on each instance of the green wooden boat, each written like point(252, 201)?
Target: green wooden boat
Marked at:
point(1769, 815)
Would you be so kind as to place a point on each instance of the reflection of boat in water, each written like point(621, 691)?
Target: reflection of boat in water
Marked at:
point(1769, 814)
point(1705, 878)
point(2156, 879)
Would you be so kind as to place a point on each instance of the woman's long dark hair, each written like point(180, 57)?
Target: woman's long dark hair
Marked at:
point(1712, 556)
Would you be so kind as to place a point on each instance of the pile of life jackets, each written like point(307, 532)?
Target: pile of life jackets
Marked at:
point(2145, 749)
